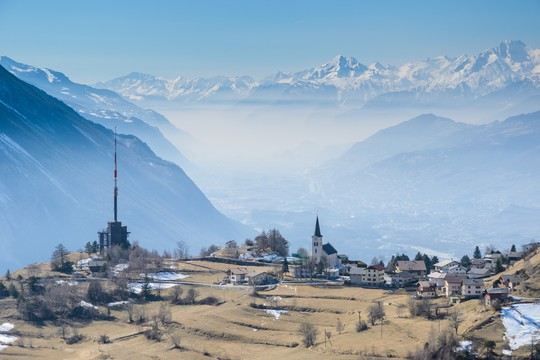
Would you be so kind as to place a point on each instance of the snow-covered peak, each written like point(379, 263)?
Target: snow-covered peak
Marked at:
point(338, 67)
point(28, 71)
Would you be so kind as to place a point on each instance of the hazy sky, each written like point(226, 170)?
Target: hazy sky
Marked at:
point(93, 40)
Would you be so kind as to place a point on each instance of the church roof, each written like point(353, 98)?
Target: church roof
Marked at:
point(329, 249)
point(317, 228)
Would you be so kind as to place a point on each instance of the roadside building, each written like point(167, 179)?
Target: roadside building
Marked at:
point(426, 289)
point(492, 294)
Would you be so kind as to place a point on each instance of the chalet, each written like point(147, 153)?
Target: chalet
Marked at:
point(514, 256)
point(399, 279)
point(426, 289)
point(509, 281)
point(259, 278)
point(418, 268)
point(527, 248)
point(472, 287)
point(96, 265)
point(457, 270)
point(372, 276)
point(238, 275)
point(479, 263)
point(444, 265)
point(452, 286)
point(491, 294)
point(438, 278)
point(476, 273)
point(299, 271)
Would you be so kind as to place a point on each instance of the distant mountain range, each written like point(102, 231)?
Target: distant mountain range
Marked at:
point(107, 108)
point(56, 183)
point(344, 81)
point(434, 183)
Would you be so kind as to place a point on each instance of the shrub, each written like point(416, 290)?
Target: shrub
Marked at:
point(104, 339)
point(210, 300)
point(309, 334)
point(361, 326)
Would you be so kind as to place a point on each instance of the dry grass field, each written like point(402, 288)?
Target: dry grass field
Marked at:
point(243, 326)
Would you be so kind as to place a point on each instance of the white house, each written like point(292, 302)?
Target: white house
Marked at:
point(238, 275)
point(438, 278)
point(367, 276)
point(457, 270)
point(452, 285)
point(444, 265)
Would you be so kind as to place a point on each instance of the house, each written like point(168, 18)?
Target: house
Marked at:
point(426, 289)
point(457, 270)
point(444, 265)
point(438, 278)
point(514, 256)
point(509, 281)
point(476, 273)
point(323, 251)
point(399, 279)
point(492, 294)
point(418, 268)
point(237, 275)
point(452, 286)
point(527, 248)
point(372, 276)
point(472, 287)
point(299, 271)
point(96, 265)
point(259, 278)
point(479, 263)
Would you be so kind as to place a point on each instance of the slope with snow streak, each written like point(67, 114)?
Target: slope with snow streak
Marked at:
point(522, 323)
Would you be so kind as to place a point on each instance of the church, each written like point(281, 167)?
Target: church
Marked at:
point(326, 251)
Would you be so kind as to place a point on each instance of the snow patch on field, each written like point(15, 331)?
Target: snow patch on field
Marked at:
point(6, 340)
point(522, 324)
point(166, 276)
point(118, 303)
point(87, 305)
point(275, 313)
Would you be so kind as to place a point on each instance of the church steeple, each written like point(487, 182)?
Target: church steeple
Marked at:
point(316, 242)
point(317, 228)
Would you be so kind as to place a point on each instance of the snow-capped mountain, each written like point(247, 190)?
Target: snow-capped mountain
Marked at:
point(56, 184)
point(346, 81)
point(138, 86)
point(104, 107)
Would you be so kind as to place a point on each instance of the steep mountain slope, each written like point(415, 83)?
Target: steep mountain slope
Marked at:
point(344, 81)
point(104, 107)
point(56, 183)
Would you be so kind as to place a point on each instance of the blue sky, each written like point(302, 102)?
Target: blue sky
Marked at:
point(101, 39)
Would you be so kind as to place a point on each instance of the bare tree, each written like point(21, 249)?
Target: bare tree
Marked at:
point(182, 250)
point(376, 312)
point(165, 315)
point(455, 320)
point(191, 296)
point(309, 334)
point(339, 326)
point(176, 294)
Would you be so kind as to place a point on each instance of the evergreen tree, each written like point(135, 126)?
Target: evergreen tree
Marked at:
point(418, 257)
point(434, 260)
point(513, 249)
point(477, 254)
point(428, 263)
point(88, 248)
point(3, 290)
point(320, 267)
point(465, 261)
point(499, 266)
point(285, 268)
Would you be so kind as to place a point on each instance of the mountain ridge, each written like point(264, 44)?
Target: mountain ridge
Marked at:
point(349, 82)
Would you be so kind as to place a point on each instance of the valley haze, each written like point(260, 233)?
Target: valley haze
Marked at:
point(378, 151)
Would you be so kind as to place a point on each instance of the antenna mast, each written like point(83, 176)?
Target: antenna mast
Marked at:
point(115, 182)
